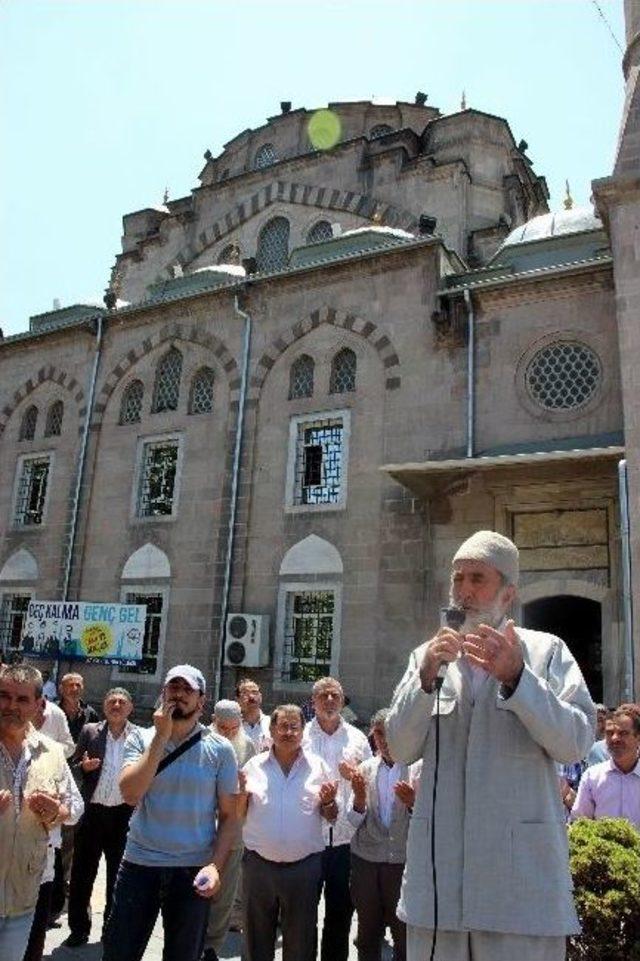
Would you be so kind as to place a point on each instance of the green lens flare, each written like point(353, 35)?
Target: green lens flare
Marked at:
point(324, 129)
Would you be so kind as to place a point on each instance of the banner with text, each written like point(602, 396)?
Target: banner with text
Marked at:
point(96, 632)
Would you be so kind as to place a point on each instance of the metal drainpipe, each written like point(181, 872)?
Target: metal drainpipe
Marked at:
point(471, 373)
point(627, 606)
point(234, 492)
point(81, 460)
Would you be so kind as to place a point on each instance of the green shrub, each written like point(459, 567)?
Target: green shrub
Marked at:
point(605, 864)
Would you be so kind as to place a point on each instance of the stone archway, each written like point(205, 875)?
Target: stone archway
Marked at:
point(578, 621)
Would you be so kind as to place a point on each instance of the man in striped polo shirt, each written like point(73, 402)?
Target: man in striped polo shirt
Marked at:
point(182, 778)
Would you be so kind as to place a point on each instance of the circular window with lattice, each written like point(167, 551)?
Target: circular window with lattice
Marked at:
point(563, 376)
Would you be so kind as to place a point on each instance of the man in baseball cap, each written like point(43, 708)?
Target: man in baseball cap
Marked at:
point(182, 779)
point(512, 704)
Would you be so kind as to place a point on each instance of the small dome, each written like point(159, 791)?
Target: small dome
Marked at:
point(577, 220)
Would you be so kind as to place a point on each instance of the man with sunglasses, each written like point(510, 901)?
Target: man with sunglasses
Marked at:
point(182, 778)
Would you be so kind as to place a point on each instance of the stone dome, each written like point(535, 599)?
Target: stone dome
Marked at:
point(558, 223)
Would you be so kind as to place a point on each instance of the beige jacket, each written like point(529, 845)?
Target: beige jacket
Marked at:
point(501, 841)
point(23, 840)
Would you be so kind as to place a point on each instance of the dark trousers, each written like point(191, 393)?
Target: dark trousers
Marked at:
point(338, 905)
point(35, 947)
point(139, 894)
point(63, 859)
point(375, 891)
point(102, 830)
point(283, 892)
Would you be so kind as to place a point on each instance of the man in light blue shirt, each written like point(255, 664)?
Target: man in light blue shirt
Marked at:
point(182, 778)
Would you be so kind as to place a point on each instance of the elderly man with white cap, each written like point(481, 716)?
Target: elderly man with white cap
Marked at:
point(182, 778)
point(499, 706)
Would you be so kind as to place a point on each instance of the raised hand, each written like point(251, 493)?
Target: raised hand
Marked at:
point(347, 769)
point(405, 793)
point(328, 792)
point(5, 801)
point(163, 719)
point(359, 788)
point(498, 653)
point(89, 763)
point(46, 807)
point(444, 647)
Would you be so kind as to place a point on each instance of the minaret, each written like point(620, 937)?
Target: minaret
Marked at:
point(617, 200)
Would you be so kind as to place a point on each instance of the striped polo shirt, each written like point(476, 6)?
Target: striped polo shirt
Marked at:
point(174, 824)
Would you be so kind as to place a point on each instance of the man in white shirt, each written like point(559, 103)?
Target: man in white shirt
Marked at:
point(255, 724)
point(52, 721)
point(103, 829)
point(342, 747)
point(285, 793)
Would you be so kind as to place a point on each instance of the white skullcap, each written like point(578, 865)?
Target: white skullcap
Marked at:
point(493, 549)
point(227, 711)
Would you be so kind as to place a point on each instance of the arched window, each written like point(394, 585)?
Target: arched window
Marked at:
point(230, 255)
point(131, 406)
point(273, 245)
point(28, 425)
point(201, 399)
point(166, 393)
point(380, 130)
point(301, 377)
point(319, 232)
point(53, 425)
point(265, 156)
point(343, 372)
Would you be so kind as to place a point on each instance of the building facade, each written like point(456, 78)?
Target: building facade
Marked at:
point(316, 375)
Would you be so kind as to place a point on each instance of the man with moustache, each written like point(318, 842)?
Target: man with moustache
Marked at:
point(182, 778)
point(103, 829)
point(254, 722)
point(512, 705)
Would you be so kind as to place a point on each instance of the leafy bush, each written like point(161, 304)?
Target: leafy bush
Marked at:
point(605, 864)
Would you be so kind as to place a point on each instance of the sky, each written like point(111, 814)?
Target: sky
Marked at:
point(105, 103)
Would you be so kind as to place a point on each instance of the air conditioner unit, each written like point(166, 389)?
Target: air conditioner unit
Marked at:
point(246, 642)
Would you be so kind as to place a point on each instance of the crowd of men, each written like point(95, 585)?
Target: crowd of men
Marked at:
point(443, 821)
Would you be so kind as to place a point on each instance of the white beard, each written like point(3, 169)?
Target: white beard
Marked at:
point(491, 615)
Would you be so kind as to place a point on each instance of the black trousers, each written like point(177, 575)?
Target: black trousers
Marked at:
point(102, 830)
point(279, 891)
point(375, 890)
point(336, 863)
point(35, 947)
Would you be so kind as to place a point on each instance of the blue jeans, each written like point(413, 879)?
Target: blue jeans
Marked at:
point(14, 936)
point(140, 893)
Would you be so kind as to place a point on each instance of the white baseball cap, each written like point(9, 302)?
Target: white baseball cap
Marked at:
point(193, 677)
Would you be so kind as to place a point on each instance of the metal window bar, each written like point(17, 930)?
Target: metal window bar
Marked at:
point(32, 491)
point(131, 406)
point(318, 462)
point(319, 232)
point(563, 376)
point(273, 245)
point(343, 372)
point(12, 616)
point(308, 635)
point(202, 392)
point(157, 481)
point(53, 426)
point(265, 157)
point(28, 425)
point(151, 640)
point(167, 386)
point(301, 377)
point(380, 130)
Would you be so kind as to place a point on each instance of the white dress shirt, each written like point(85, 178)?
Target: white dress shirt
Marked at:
point(349, 744)
point(107, 791)
point(72, 799)
point(283, 821)
point(259, 732)
point(56, 726)
point(387, 778)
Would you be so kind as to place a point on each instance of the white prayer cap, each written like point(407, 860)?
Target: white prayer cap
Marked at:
point(494, 549)
point(227, 711)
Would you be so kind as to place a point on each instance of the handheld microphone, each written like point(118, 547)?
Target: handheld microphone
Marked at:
point(453, 617)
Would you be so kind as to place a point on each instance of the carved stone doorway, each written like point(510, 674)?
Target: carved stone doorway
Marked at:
point(578, 621)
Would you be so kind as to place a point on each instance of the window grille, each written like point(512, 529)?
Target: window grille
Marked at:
point(318, 462)
point(152, 629)
point(308, 639)
point(343, 372)
point(273, 245)
point(230, 255)
point(201, 401)
point(131, 406)
point(167, 387)
point(265, 156)
point(301, 377)
point(319, 232)
point(158, 479)
point(32, 491)
point(53, 426)
point(12, 617)
point(380, 130)
point(28, 425)
point(563, 376)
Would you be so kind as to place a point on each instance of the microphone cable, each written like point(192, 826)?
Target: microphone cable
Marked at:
point(434, 794)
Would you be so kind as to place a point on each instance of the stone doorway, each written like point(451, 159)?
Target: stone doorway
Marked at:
point(578, 621)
